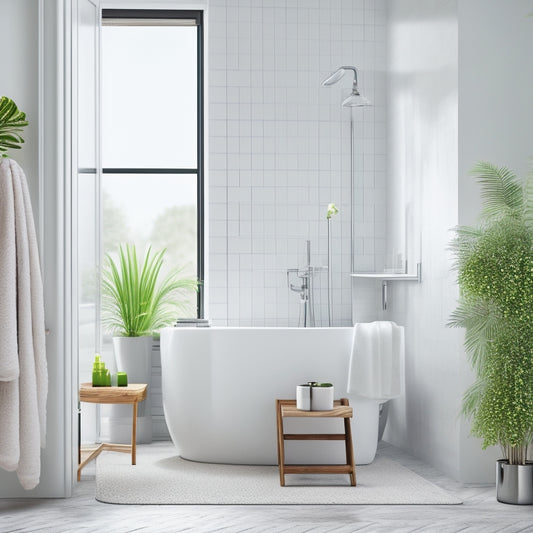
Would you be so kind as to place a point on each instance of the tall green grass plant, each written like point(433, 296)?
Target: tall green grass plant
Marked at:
point(134, 301)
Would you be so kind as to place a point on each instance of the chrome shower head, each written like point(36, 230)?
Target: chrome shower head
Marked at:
point(334, 77)
point(355, 99)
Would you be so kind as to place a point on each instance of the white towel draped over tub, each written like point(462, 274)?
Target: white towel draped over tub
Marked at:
point(377, 361)
point(23, 371)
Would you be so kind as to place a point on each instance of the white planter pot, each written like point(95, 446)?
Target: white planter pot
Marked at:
point(133, 355)
point(322, 399)
point(303, 397)
point(314, 398)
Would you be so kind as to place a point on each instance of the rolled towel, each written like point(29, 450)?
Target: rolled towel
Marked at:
point(377, 361)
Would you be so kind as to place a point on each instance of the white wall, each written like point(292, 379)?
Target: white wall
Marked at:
point(460, 74)
point(18, 80)
point(279, 152)
point(495, 80)
point(423, 191)
point(495, 124)
point(20, 37)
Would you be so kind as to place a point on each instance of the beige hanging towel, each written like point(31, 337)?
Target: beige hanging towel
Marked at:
point(23, 369)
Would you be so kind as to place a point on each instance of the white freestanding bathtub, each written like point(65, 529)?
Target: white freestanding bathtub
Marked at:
point(220, 386)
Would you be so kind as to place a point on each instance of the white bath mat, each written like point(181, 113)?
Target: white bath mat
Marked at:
point(160, 477)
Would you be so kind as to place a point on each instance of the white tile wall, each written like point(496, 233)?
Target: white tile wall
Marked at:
point(279, 152)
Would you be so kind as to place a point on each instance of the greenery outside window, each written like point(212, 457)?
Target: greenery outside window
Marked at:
point(152, 136)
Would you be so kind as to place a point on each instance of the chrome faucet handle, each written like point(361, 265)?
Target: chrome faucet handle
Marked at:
point(303, 273)
point(289, 270)
point(297, 288)
point(289, 284)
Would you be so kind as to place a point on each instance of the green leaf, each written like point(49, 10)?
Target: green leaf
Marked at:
point(501, 193)
point(528, 211)
point(11, 123)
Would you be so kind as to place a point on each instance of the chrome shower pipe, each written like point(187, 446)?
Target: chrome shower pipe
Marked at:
point(330, 298)
point(352, 192)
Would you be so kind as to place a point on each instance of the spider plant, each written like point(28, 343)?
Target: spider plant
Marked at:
point(494, 262)
point(134, 302)
point(11, 123)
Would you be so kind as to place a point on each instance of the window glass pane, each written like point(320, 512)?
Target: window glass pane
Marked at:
point(149, 109)
point(157, 210)
point(85, 105)
point(87, 85)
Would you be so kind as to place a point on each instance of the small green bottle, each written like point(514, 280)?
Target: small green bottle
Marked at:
point(101, 375)
point(96, 371)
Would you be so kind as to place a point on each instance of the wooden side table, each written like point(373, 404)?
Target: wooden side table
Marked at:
point(341, 409)
point(132, 393)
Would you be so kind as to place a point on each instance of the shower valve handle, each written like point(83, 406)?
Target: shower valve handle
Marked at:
point(296, 288)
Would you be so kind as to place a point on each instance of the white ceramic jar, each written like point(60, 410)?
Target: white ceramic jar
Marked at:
point(314, 396)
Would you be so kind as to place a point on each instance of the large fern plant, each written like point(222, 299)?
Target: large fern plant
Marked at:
point(134, 301)
point(495, 275)
point(11, 123)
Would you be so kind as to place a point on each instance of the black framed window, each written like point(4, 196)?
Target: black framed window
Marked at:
point(153, 135)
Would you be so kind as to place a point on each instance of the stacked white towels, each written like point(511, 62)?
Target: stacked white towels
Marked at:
point(23, 370)
point(377, 361)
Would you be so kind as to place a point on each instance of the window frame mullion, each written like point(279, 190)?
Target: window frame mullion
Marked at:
point(137, 170)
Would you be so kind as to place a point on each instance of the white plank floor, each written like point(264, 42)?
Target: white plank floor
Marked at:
point(82, 513)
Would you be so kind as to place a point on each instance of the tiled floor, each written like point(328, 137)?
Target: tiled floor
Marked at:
point(82, 513)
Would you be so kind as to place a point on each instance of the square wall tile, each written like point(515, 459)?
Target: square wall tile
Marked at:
point(280, 151)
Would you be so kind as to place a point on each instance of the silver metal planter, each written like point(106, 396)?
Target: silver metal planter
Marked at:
point(514, 483)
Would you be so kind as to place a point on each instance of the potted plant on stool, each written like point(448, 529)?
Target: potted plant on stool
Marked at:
point(495, 275)
point(135, 304)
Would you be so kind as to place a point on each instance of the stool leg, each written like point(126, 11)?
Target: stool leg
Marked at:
point(79, 442)
point(281, 445)
point(134, 436)
point(349, 445)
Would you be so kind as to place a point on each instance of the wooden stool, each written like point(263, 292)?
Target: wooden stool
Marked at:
point(132, 393)
point(341, 409)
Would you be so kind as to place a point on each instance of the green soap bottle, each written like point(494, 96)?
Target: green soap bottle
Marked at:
point(101, 375)
point(96, 371)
